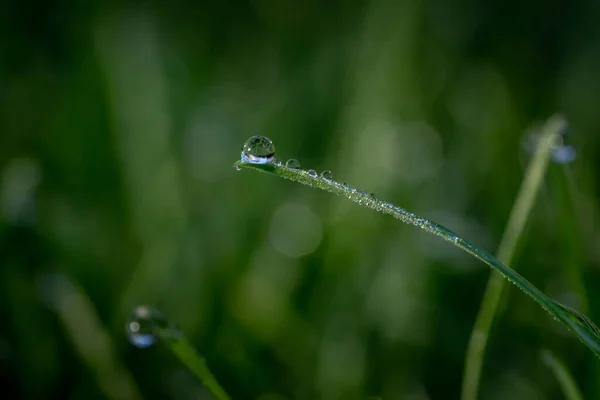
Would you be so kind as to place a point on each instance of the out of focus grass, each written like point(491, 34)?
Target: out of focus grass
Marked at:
point(119, 125)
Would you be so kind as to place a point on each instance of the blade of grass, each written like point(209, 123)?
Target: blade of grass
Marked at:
point(172, 337)
point(90, 338)
point(190, 358)
point(580, 325)
point(563, 376)
point(519, 214)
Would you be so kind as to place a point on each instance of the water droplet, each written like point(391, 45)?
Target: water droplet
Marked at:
point(327, 175)
point(292, 164)
point(236, 165)
point(562, 151)
point(312, 172)
point(143, 326)
point(277, 162)
point(258, 150)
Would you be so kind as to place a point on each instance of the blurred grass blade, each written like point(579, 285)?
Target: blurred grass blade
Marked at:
point(89, 337)
point(519, 215)
point(147, 324)
point(190, 358)
point(580, 325)
point(563, 376)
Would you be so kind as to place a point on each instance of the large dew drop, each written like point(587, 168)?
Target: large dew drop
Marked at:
point(258, 150)
point(143, 326)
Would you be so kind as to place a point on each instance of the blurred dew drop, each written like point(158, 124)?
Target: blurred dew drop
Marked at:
point(258, 150)
point(312, 173)
point(143, 326)
point(295, 230)
point(292, 163)
point(277, 162)
point(562, 152)
point(20, 178)
point(415, 155)
point(207, 138)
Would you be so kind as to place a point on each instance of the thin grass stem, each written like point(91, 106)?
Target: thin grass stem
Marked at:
point(563, 376)
point(196, 364)
point(517, 220)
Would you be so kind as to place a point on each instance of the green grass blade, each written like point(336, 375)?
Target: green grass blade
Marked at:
point(190, 358)
point(563, 376)
point(514, 229)
point(148, 324)
point(580, 325)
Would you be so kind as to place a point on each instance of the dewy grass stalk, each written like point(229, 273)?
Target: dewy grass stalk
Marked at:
point(580, 325)
point(524, 202)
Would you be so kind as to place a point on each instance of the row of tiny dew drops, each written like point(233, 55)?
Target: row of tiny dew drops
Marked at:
point(260, 150)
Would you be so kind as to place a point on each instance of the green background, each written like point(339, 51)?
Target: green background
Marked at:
point(119, 127)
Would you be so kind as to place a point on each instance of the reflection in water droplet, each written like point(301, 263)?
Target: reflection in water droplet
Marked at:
point(562, 151)
point(327, 175)
point(292, 164)
point(312, 172)
point(258, 150)
point(277, 162)
point(564, 154)
point(143, 325)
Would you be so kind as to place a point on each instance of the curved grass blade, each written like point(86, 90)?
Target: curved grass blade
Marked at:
point(147, 324)
point(190, 358)
point(581, 326)
point(563, 376)
point(514, 229)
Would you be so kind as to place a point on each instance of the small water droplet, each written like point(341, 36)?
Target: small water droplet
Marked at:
point(258, 150)
point(143, 325)
point(277, 162)
point(292, 164)
point(562, 151)
point(236, 165)
point(327, 175)
point(312, 172)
